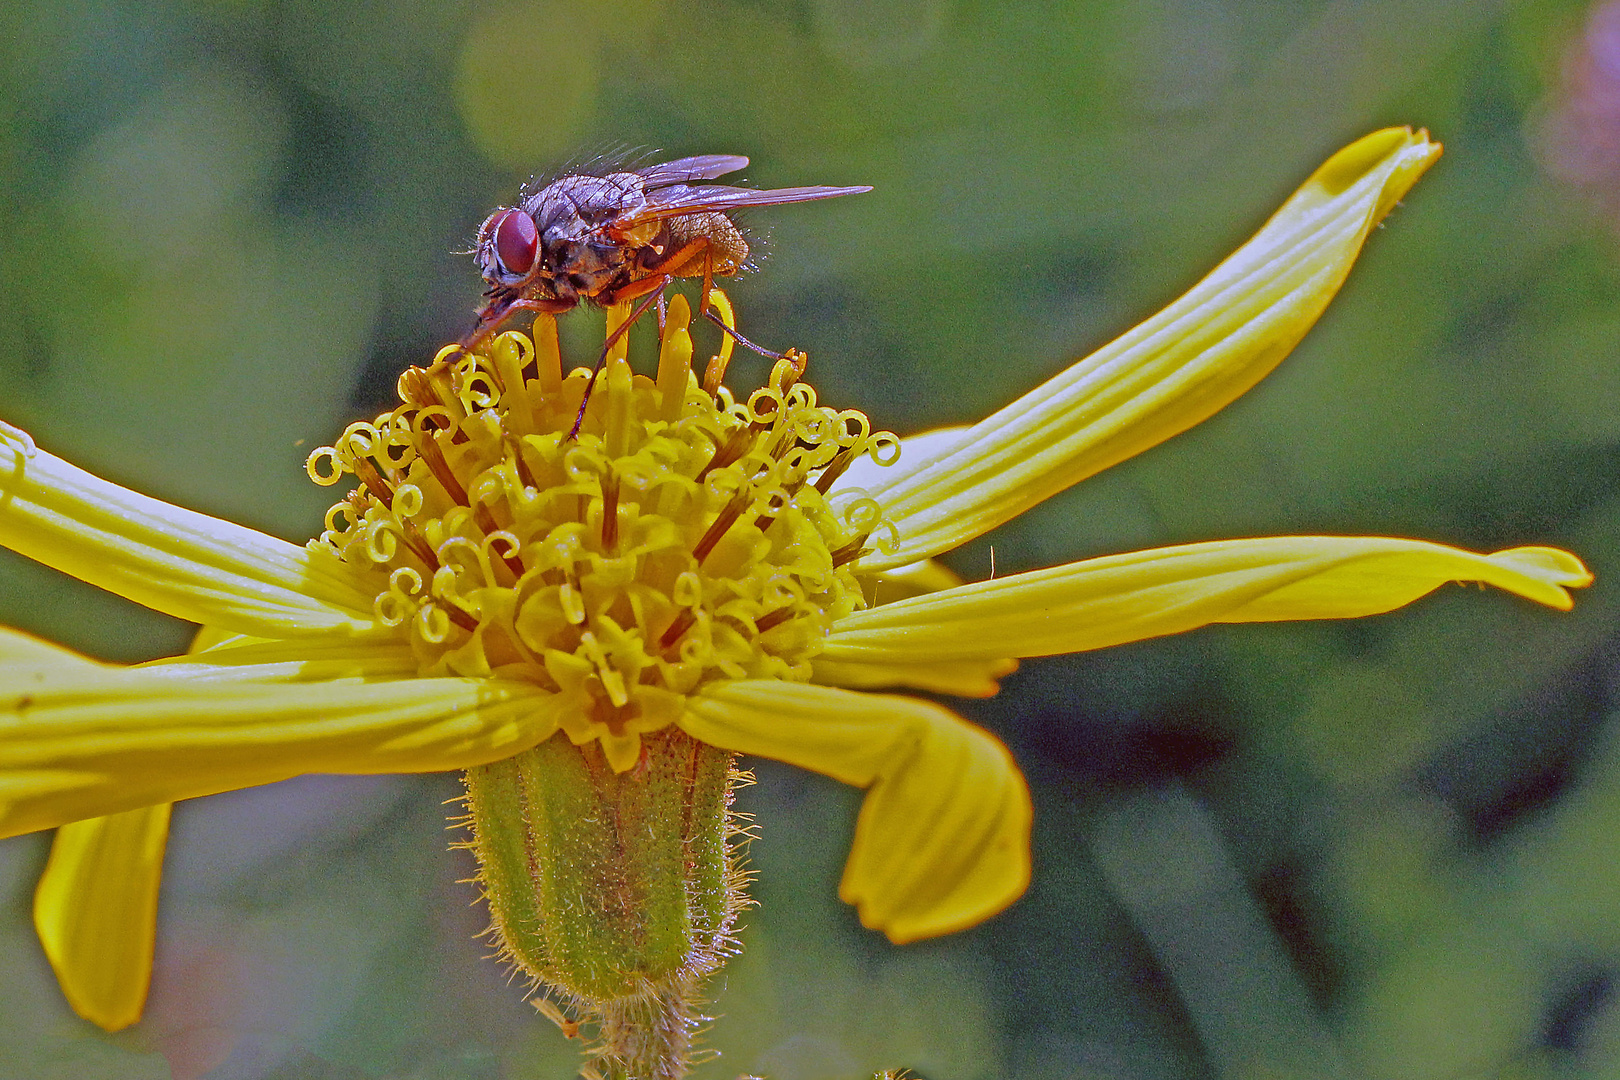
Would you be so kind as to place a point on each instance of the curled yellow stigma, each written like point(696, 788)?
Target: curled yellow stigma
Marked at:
point(682, 537)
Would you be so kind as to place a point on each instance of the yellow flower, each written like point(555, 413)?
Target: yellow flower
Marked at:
point(735, 574)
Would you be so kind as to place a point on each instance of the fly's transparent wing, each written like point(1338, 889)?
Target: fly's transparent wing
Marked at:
point(686, 170)
point(680, 199)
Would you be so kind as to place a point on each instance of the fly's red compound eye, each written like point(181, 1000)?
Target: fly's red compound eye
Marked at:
point(516, 241)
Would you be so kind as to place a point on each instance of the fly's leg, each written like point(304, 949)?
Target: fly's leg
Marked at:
point(744, 342)
point(491, 317)
point(654, 295)
point(716, 371)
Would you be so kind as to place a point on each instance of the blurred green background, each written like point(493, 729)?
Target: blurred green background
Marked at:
point(1382, 849)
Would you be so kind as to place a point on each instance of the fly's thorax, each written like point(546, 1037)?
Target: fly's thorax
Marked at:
point(679, 540)
point(571, 207)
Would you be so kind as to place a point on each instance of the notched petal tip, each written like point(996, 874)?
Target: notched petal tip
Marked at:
point(17, 439)
point(1406, 153)
point(1557, 569)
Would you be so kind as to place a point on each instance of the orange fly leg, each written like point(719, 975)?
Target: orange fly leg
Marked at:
point(653, 282)
point(688, 260)
point(708, 279)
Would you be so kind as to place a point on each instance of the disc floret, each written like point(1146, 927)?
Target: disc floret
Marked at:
point(682, 537)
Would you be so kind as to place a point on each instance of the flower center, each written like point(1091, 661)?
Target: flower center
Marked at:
point(682, 537)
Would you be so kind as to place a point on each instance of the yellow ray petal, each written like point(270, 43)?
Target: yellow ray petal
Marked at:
point(80, 739)
point(1120, 598)
point(925, 576)
point(1167, 374)
point(974, 679)
point(297, 660)
point(95, 911)
point(177, 561)
point(971, 678)
point(942, 841)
